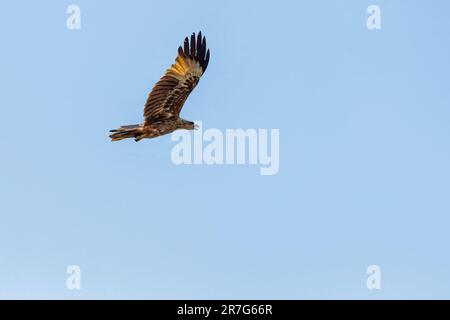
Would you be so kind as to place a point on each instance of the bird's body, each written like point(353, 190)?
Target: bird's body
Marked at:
point(159, 127)
point(164, 103)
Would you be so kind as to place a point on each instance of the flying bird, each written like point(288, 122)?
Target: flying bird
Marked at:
point(164, 103)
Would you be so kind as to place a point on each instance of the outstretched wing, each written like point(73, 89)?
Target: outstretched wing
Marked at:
point(172, 90)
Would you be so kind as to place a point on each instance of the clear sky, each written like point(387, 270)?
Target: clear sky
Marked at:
point(364, 177)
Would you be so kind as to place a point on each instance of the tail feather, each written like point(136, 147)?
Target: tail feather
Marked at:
point(133, 131)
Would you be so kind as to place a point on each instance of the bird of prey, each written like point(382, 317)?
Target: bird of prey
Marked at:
point(164, 103)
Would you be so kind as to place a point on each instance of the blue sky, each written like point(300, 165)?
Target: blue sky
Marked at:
point(364, 152)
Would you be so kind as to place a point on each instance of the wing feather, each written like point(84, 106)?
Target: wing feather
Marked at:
point(171, 91)
point(193, 45)
point(186, 46)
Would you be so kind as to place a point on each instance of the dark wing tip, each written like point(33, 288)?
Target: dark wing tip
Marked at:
point(186, 46)
point(205, 64)
point(199, 46)
point(194, 47)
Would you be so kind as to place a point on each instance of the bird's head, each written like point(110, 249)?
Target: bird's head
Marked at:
point(189, 125)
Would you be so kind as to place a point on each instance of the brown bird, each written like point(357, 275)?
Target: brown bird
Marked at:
point(164, 103)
